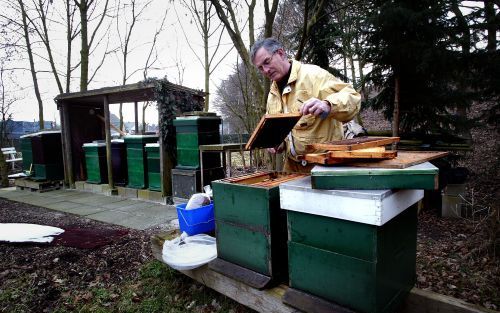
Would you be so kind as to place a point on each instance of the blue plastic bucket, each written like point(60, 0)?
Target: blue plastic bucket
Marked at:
point(196, 221)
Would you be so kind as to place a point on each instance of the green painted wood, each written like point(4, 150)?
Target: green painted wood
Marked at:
point(196, 124)
point(27, 153)
point(358, 240)
point(369, 277)
point(193, 140)
point(137, 166)
point(95, 163)
point(244, 247)
point(420, 176)
point(375, 182)
point(47, 172)
point(190, 158)
point(345, 237)
point(244, 204)
point(244, 213)
point(153, 161)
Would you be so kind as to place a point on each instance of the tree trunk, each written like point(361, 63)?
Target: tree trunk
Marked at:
point(353, 70)
point(69, 40)
point(395, 115)
point(32, 64)
point(492, 27)
point(207, 59)
point(84, 52)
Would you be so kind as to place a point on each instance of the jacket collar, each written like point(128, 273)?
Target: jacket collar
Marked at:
point(293, 77)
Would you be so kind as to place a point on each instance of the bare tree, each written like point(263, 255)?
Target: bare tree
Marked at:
point(71, 33)
point(135, 12)
point(25, 26)
point(227, 14)
point(40, 27)
point(204, 18)
point(6, 102)
point(86, 9)
point(151, 60)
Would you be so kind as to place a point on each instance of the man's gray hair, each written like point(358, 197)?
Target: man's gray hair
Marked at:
point(270, 44)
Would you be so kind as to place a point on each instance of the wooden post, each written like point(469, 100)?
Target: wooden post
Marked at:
point(136, 110)
point(108, 144)
point(66, 134)
point(166, 165)
point(63, 146)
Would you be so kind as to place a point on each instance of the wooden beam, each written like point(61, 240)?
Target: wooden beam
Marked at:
point(64, 146)
point(136, 115)
point(69, 146)
point(107, 131)
point(270, 300)
point(354, 143)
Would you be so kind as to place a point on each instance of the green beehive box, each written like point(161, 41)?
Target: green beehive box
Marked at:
point(96, 163)
point(191, 132)
point(44, 172)
point(420, 176)
point(354, 248)
point(27, 152)
point(250, 226)
point(154, 175)
point(137, 165)
point(373, 266)
point(47, 155)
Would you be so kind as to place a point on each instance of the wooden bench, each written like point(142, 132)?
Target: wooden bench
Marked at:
point(10, 155)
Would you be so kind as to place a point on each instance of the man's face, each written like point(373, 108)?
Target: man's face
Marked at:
point(272, 65)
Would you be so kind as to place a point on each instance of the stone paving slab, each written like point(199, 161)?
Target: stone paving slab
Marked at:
point(111, 216)
point(119, 204)
point(97, 200)
point(142, 222)
point(87, 211)
point(64, 206)
point(166, 211)
point(132, 213)
point(136, 206)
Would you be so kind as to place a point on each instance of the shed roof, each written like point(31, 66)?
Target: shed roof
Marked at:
point(119, 94)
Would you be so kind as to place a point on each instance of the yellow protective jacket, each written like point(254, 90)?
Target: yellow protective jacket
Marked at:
point(307, 81)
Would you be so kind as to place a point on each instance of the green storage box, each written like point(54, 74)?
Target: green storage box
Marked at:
point(27, 152)
point(250, 226)
point(95, 161)
point(355, 248)
point(154, 175)
point(191, 132)
point(420, 176)
point(137, 165)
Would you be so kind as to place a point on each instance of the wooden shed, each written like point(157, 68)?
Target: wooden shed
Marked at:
point(85, 118)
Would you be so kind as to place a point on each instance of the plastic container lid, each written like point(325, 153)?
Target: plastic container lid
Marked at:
point(189, 252)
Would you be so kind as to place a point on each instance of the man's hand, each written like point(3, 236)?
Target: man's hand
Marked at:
point(277, 149)
point(315, 107)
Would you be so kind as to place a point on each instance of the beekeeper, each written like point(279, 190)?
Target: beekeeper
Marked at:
point(323, 100)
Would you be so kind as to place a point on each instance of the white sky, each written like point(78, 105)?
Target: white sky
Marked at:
point(172, 47)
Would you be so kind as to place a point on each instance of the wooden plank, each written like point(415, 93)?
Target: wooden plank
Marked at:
point(320, 158)
point(272, 130)
point(277, 181)
point(356, 154)
point(404, 159)
point(312, 304)
point(270, 300)
point(354, 143)
point(429, 302)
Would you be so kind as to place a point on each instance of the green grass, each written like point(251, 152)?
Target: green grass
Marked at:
point(157, 289)
point(18, 295)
